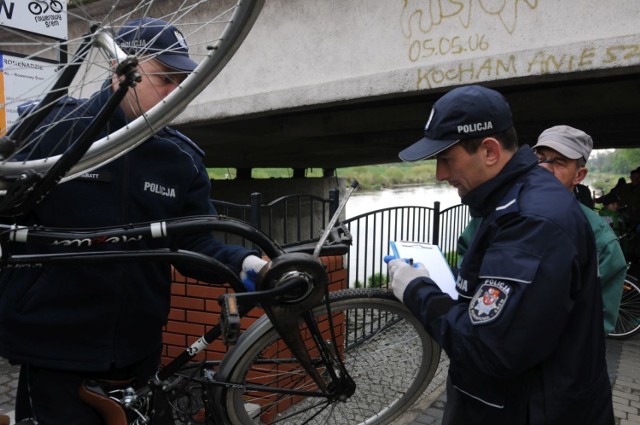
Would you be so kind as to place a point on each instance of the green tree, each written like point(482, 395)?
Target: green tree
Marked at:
point(622, 161)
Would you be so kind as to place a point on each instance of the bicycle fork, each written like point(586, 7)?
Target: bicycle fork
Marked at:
point(296, 284)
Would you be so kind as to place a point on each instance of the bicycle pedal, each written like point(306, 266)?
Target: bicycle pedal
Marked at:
point(229, 318)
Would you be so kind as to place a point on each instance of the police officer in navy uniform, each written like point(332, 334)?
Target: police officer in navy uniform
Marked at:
point(64, 324)
point(525, 338)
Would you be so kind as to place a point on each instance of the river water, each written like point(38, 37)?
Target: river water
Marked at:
point(371, 237)
point(424, 196)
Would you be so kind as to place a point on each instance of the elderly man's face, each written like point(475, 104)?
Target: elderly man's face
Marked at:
point(565, 169)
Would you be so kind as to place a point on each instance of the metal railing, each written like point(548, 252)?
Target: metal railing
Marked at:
point(290, 219)
point(372, 232)
point(297, 218)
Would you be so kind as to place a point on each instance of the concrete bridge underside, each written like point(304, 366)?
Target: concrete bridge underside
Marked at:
point(329, 84)
point(373, 131)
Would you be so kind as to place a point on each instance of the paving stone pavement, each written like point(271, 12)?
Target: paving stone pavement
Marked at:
point(623, 361)
point(8, 386)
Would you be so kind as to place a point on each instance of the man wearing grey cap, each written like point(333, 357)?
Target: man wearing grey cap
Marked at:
point(581, 146)
point(564, 151)
point(524, 337)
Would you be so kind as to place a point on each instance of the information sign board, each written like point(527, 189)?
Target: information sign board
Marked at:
point(44, 17)
point(21, 78)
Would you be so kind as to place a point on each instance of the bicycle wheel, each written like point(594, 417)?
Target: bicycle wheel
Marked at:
point(628, 323)
point(213, 30)
point(385, 349)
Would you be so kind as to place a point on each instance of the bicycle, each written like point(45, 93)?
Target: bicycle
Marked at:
point(350, 356)
point(215, 30)
point(623, 224)
point(628, 322)
point(314, 358)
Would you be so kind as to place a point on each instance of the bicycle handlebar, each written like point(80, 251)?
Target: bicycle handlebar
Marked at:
point(138, 232)
point(336, 244)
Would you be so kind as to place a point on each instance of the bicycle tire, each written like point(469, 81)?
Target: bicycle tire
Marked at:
point(213, 29)
point(628, 322)
point(386, 350)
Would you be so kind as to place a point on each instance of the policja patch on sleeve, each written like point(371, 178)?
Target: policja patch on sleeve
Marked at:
point(488, 301)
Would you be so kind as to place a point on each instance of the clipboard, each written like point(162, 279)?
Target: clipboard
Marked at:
point(433, 259)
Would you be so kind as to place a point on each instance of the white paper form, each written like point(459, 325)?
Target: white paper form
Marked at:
point(433, 260)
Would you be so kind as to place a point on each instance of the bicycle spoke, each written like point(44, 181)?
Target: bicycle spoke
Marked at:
point(213, 30)
point(628, 323)
point(385, 352)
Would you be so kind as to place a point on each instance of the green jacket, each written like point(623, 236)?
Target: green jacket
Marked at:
point(611, 262)
point(615, 220)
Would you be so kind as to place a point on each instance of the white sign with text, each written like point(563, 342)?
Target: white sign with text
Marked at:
point(21, 78)
point(44, 17)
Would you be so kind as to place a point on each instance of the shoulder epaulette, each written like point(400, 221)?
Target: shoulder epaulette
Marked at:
point(182, 137)
point(509, 203)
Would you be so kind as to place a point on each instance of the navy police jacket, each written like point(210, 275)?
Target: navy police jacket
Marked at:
point(96, 317)
point(525, 338)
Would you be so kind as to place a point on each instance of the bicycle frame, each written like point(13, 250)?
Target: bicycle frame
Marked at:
point(235, 305)
point(27, 189)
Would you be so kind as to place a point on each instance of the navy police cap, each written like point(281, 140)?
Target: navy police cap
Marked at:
point(150, 36)
point(466, 112)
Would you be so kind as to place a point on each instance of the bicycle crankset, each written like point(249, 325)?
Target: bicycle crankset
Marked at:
point(304, 269)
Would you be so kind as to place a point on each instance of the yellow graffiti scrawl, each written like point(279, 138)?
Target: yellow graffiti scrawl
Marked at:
point(419, 17)
point(536, 62)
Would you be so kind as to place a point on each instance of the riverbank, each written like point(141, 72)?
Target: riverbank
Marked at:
point(370, 177)
point(396, 175)
point(376, 177)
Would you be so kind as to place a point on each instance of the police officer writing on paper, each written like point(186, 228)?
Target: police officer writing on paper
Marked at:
point(64, 324)
point(524, 338)
point(564, 151)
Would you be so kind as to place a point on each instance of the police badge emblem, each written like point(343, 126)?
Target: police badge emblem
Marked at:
point(180, 39)
point(488, 301)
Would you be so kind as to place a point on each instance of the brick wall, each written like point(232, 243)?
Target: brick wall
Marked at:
point(195, 308)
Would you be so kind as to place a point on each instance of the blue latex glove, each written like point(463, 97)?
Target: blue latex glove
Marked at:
point(251, 266)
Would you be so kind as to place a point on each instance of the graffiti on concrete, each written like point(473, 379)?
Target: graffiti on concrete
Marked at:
point(421, 16)
point(455, 42)
point(423, 24)
point(527, 63)
point(456, 45)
